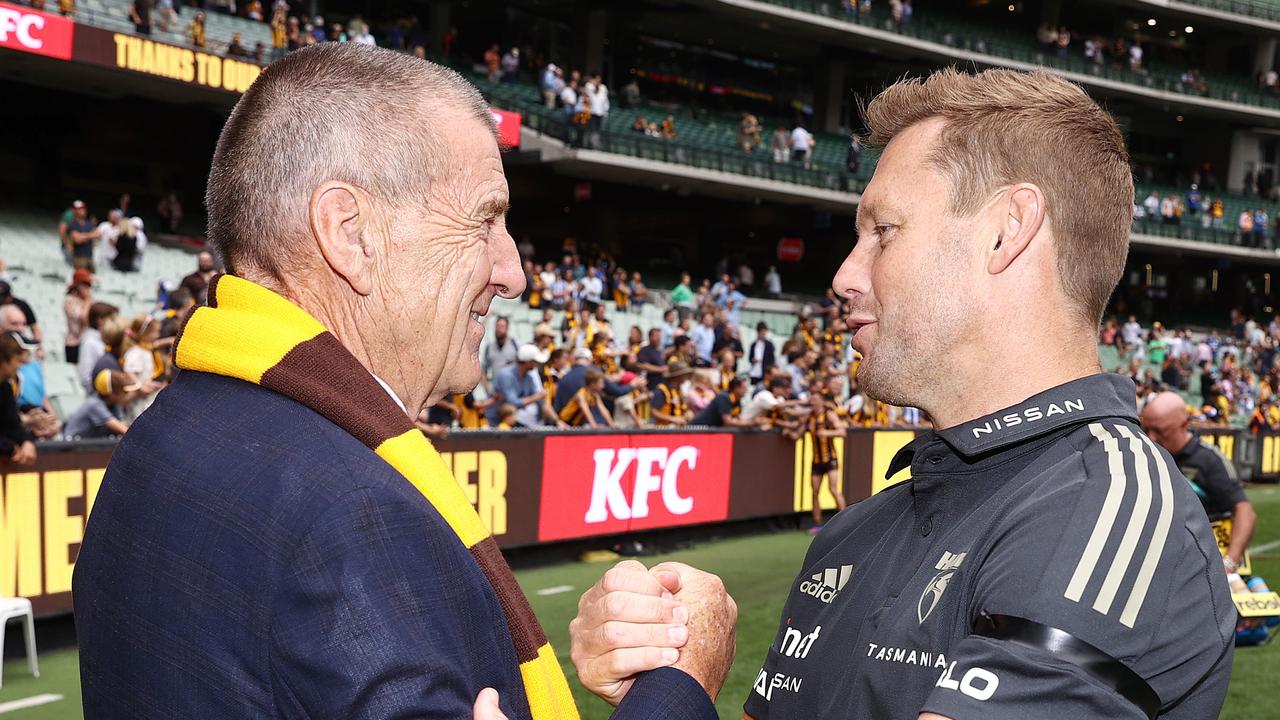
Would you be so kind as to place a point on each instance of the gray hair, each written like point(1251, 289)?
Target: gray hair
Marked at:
point(348, 112)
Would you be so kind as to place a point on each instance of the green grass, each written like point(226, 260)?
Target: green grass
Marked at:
point(758, 571)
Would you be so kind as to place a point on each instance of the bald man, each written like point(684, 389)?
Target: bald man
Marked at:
point(1210, 473)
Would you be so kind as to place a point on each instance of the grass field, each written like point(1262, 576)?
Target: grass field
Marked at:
point(758, 570)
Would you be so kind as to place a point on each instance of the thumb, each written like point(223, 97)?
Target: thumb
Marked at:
point(486, 707)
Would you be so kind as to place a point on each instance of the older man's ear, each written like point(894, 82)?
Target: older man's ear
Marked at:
point(340, 215)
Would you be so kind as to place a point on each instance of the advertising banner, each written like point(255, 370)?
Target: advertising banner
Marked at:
point(508, 127)
point(122, 51)
point(33, 31)
point(605, 484)
point(527, 488)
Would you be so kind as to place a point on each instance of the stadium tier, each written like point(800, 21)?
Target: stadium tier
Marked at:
point(934, 24)
point(39, 274)
point(219, 27)
point(1264, 9)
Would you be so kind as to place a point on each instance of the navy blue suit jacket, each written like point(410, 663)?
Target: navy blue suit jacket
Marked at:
point(247, 558)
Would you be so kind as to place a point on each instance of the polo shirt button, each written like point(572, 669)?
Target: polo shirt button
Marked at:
point(926, 527)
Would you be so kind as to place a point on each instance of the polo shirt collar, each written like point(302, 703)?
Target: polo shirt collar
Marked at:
point(1072, 403)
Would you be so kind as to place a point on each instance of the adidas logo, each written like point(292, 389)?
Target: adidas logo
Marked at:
point(824, 585)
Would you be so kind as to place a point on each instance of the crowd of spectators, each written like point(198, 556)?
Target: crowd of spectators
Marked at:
point(1114, 52)
point(118, 242)
point(1253, 227)
point(290, 24)
point(1228, 379)
point(695, 368)
point(119, 361)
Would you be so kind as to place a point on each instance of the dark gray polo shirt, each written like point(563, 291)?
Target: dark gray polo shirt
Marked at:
point(1212, 477)
point(1057, 523)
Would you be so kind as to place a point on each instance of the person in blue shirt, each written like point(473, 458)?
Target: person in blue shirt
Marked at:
point(519, 385)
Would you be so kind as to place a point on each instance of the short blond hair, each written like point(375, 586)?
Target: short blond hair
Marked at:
point(1004, 127)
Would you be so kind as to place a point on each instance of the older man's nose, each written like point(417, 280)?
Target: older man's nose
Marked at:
point(508, 275)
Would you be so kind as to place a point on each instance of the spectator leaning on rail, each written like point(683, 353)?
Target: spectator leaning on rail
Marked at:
point(380, 593)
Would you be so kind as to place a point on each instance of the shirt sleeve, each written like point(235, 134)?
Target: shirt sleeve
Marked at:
point(1115, 552)
point(1219, 479)
point(507, 385)
point(665, 694)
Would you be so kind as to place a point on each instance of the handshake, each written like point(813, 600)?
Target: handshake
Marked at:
point(636, 619)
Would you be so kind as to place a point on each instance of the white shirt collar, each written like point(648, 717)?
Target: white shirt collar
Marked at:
point(391, 392)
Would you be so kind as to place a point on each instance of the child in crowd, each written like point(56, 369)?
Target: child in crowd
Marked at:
point(102, 413)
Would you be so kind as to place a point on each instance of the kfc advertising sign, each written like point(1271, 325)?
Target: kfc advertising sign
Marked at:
point(35, 32)
point(606, 484)
point(508, 127)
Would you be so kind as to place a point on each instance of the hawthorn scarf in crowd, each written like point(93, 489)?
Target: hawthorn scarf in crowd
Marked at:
point(251, 333)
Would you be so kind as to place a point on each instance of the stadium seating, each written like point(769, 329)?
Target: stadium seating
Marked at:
point(29, 246)
point(1006, 42)
point(710, 141)
point(1265, 9)
point(707, 142)
point(114, 15)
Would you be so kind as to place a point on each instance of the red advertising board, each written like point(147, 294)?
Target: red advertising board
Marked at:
point(791, 249)
point(36, 32)
point(605, 484)
point(508, 127)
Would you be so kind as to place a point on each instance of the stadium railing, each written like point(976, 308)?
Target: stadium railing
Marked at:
point(984, 39)
point(1264, 9)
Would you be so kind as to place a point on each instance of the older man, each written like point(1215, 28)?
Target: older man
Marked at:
point(1046, 559)
point(274, 538)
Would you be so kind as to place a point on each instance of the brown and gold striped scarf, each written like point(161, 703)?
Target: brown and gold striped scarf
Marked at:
point(251, 333)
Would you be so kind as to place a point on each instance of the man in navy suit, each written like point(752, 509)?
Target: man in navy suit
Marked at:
point(247, 556)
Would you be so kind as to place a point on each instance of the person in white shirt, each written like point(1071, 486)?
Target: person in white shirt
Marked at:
point(1131, 333)
point(599, 107)
point(1135, 57)
point(108, 230)
point(569, 99)
point(361, 33)
point(801, 145)
point(140, 362)
point(592, 290)
point(773, 283)
point(1152, 205)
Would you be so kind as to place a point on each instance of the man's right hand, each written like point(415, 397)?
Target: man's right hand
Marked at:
point(627, 623)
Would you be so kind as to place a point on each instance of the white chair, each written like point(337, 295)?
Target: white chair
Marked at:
point(11, 608)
